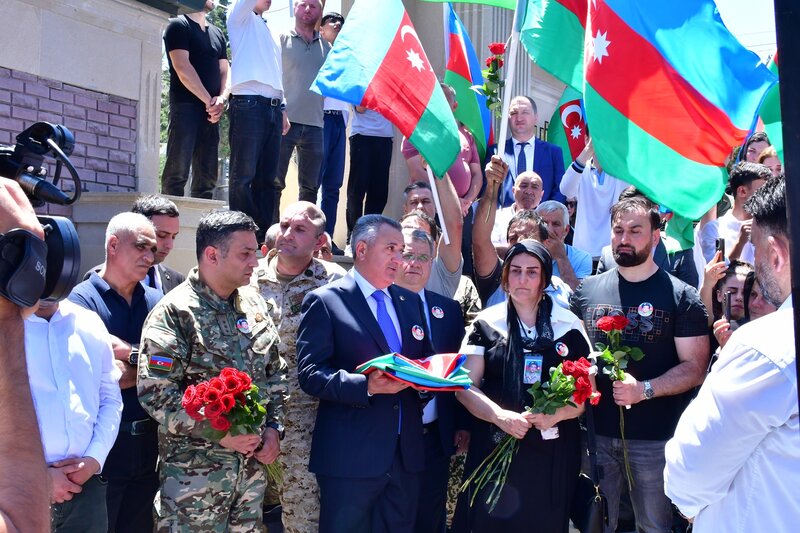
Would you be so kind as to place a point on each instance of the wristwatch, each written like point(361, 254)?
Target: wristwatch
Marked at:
point(133, 358)
point(648, 391)
point(279, 428)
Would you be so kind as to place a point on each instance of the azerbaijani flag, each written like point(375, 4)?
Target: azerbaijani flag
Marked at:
point(567, 128)
point(771, 112)
point(439, 372)
point(378, 63)
point(553, 35)
point(463, 72)
point(668, 92)
point(508, 4)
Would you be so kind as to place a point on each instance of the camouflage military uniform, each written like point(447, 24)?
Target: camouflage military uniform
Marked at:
point(195, 334)
point(300, 495)
point(467, 297)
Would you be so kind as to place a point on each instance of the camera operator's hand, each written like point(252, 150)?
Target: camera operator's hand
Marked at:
point(15, 212)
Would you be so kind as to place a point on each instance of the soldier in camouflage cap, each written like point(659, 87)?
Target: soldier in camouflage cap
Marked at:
point(207, 323)
point(283, 278)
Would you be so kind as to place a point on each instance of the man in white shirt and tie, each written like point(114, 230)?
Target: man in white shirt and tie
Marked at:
point(524, 152)
point(73, 381)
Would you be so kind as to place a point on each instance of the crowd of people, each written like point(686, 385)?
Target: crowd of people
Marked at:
point(703, 427)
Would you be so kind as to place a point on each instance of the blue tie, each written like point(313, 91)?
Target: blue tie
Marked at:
point(385, 322)
point(522, 160)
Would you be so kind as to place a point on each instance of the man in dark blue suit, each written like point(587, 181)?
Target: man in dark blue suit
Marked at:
point(367, 450)
point(523, 152)
point(442, 415)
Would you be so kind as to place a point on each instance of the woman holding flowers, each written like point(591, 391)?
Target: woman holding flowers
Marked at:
point(511, 346)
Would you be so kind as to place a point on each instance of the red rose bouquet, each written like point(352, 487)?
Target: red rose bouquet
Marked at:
point(230, 402)
point(569, 385)
point(492, 82)
point(616, 357)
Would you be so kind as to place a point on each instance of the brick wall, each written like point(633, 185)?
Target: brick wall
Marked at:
point(104, 127)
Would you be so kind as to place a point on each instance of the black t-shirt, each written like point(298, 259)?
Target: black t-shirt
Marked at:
point(205, 48)
point(659, 309)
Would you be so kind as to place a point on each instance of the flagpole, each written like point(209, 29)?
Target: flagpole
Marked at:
point(510, 72)
point(438, 204)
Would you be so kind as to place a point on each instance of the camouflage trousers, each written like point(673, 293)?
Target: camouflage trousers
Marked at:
point(210, 492)
point(300, 494)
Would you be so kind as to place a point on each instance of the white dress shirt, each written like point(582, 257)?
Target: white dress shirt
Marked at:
point(734, 462)
point(74, 383)
point(367, 289)
point(256, 58)
point(513, 160)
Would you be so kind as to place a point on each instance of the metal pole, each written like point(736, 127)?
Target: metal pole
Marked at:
point(787, 21)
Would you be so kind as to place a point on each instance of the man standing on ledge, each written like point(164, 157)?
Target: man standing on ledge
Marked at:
point(210, 322)
point(198, 79)
point(257, 115)
point(367, 450)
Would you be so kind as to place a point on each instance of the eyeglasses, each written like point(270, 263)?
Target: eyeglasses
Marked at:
point(422, 258)
point(572, 204)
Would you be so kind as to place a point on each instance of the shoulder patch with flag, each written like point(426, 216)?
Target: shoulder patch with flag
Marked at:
point(160, 363)
point(378, 63)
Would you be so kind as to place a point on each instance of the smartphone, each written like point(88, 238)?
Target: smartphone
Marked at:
point(720, 247)
point(726, 305)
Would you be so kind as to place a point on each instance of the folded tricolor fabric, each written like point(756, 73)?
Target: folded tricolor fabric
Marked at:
point(437, 373)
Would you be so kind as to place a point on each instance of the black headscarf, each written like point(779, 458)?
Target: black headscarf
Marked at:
point(514, 394)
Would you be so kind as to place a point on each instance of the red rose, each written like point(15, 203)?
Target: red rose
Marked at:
point(595, 399)
point(583, 390)
point(228, 402)
point(489, 61)
point(609, 323)
point(228, 371)
point(584, 364)
point(568, 368)
point(188, 396)
point(216, 383)
point(214, 410)
point(240, 397)
point(221, 423)
point(232, 383)
point(246, 381)
point(211, 396)
point(497, 49)
point(200, 390)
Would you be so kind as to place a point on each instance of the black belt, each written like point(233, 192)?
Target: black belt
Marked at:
point(430, 427)
point(274, 102)
point(334, 112)
point(138, 427)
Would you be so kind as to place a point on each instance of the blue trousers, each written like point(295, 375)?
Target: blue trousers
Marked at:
point(332, 174)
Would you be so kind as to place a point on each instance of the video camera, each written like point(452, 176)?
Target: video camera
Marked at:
point(32, 269)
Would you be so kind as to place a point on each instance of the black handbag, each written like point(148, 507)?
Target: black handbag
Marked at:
point(589, 512)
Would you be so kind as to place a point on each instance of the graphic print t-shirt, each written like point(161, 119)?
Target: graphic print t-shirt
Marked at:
point(659, 309)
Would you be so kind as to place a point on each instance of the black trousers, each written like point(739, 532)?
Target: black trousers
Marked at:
point(192, 141)
point(432, 509)
point(132, 482)
point(368, 183)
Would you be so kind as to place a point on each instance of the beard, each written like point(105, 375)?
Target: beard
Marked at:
point(627, 258)
point(770, 290)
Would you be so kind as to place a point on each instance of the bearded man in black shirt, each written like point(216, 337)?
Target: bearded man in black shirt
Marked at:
point(667, 321)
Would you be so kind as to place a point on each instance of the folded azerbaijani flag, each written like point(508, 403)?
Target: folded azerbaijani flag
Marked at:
point(440, 372)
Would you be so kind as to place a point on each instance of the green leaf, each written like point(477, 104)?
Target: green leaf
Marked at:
point(619, 354)
point(636, 354)
point(623, 364)
point(600, 347)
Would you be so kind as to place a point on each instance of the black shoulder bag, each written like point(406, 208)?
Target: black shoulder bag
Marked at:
point(589, 512)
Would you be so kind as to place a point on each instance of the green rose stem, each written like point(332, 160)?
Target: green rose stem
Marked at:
point(616, 359)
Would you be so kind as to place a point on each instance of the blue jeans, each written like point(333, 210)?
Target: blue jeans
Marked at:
point(255, 137)
point(651, 506)
point(308, 141)
point(191, 141)
point(332, 174)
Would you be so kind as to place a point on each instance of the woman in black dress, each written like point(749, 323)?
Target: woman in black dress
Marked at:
point(507, 344)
